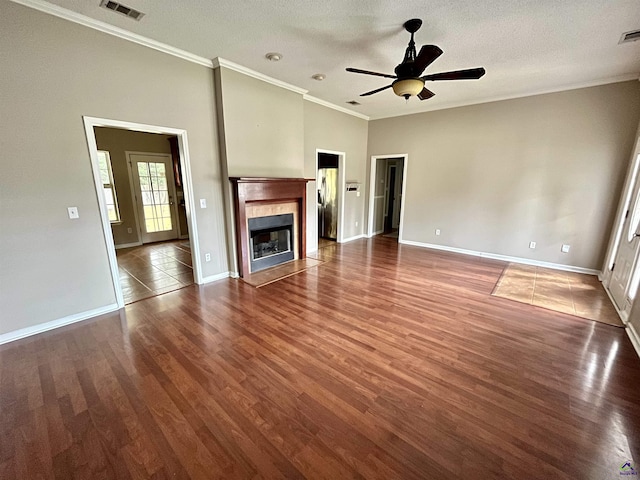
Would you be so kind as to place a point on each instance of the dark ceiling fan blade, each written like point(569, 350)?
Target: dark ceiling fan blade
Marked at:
point(469, 74)
point(367, 72)
point(374, 91)
point(427, 55)
point(425, 94)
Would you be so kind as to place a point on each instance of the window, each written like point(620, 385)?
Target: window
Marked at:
point(106, 174)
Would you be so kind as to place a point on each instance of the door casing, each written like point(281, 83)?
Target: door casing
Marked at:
point(183, 146)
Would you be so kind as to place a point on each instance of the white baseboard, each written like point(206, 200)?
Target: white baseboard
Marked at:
point(128, 245)
point(506, 258)
point(61, 322)
point(215, 278)
point(351, 239)
point(634, 337)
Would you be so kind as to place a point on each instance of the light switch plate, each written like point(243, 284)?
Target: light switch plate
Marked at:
point(203, 203)
point(73, 212)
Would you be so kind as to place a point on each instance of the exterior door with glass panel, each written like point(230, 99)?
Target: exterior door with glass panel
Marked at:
point(625, 275)
point(154, 189)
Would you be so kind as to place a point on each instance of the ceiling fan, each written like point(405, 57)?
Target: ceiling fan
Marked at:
point(408, 81)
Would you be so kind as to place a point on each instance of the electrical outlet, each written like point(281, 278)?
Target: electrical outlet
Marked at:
point(437, 231)
point(532, 244)
point(565, 248)
point(73, 212)
point(207, 257)
point(129, 230)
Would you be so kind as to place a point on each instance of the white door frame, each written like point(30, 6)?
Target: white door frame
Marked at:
point(174, 207)
point(185, 163)
point(372, 190)
point(624, 206)
point(342, 188)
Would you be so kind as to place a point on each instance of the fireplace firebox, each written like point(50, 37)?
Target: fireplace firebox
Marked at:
point(270, 240)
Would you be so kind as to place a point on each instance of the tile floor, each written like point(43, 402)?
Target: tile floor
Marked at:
point(154, 269)
point(567, 292)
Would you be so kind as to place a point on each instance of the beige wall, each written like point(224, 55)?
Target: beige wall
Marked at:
point(328, 129)
point(493, 177)
point(54, 72)
point(117, 142)
point(262, 127)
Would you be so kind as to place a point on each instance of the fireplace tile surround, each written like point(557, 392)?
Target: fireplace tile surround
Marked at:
point(257, 197)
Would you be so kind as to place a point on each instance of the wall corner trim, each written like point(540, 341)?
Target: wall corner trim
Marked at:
point(504, 258)
point(333, 106)
point(221, 62)
point(215, 278)
point(53, 324)
point(104, 27)
point(634, 337)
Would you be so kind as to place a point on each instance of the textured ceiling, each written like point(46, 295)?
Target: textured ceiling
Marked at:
point(527, 47)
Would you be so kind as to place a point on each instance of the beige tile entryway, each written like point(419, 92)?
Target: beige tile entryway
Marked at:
point(567, 292)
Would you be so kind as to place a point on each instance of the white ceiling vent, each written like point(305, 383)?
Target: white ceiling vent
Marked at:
point(630, 36)
point(123, 9)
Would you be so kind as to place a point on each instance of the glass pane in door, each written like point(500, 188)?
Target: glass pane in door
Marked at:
point(155, 197)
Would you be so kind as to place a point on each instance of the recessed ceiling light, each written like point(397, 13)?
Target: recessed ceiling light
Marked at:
point(274, 56)
point(319, 76)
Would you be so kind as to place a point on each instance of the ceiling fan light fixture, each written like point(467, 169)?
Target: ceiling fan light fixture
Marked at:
point(408, 87)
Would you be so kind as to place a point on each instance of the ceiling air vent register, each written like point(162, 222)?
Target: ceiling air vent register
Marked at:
point(630, 36)
point(122, 9)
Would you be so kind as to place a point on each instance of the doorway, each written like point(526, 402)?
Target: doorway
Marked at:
point(154, 185)
point(386, 195)
point(622, 277)
point(144, 189)
point(330, 185)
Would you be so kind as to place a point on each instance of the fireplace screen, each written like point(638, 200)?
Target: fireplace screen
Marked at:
point(271, 240)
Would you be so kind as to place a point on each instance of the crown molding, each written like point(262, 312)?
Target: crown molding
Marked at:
point(80, 19)
point(221, 62)
point(333, 106)
point(66, 14)
point(565, 88)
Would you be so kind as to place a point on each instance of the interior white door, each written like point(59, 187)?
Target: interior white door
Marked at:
point(154, 187)
point(625, 260)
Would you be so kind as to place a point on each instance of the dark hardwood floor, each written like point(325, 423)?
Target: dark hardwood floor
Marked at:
point(384, 362)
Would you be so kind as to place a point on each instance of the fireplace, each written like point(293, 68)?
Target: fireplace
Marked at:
point(270, 221)
point(270, 240)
